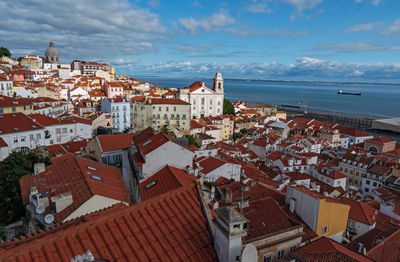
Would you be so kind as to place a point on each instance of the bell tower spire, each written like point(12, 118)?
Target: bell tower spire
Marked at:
point(218, 83)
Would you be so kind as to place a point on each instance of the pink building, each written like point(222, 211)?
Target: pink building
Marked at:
point(379, 145)
point(113, 89)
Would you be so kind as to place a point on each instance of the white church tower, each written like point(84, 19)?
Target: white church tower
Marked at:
point(218, 83)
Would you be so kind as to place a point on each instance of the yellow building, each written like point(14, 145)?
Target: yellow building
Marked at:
point(324, 215)
point(13, 105)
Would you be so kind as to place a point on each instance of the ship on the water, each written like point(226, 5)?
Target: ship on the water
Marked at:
point(340, 92)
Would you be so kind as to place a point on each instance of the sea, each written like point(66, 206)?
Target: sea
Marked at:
point(377, 101)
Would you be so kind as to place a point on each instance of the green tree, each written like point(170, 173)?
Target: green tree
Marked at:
point(4, 52)
point(191, 140)
point(15, 166)
point(237, 136)
point(228, 108)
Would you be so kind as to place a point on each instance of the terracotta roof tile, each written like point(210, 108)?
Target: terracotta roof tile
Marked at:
point(126, 234)
point(17, 122)
point(326, 250)
point(115, 142)
point(82, 178)
point(165, 180)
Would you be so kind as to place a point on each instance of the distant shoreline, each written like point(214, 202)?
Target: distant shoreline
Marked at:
point(280, 81)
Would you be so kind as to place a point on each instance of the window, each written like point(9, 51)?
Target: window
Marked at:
point(38, 136)
point(174, 108)
point(374, 184)
point(292, 248)
point(58, 130)
point(167, 108)
point(159, 108)
point(280, 254)
point(64, 130)
point(14, 109)
point(324, 230)
point(23, 138)
point(366, 190)
point(31, 137)
point(267, 258)
point(367, 182)
point(15, 139)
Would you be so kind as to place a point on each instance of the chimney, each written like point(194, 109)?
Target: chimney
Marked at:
point(226, 196)
point(292, 204)
point(360, 248)
point(230, 227)
point(38, 168)
point(62, 201)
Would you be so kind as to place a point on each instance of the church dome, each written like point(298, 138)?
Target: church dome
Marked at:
point(51, 50)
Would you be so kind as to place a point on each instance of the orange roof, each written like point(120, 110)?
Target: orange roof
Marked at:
point(165, 180)
point(82, 178)
point(115, 142)
point(17, 122)
point(265, 218)
point(326, 250)
point(360, 211)
point(170, 227)
point(173, 101)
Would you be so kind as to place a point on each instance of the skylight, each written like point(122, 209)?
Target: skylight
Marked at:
point(92, 168)
point(147, 142)
point(97, 178)
point(151, 184)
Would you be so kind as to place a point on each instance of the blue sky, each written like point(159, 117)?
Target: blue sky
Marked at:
point(352, 40)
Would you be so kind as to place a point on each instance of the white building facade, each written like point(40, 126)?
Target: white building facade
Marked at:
point(205, 101)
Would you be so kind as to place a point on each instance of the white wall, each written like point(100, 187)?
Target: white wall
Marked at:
point(306, 206)
point(162, 156)
point(228, 170)
point(95, 203)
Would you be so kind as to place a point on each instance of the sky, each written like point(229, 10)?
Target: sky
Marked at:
point(327, 40)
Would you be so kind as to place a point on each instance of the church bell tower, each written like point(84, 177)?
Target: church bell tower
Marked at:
point(218, 83)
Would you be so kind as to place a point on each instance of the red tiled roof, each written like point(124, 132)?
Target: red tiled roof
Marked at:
point(360, 212)
point(171, 227)
point(194, 124)
point(75, 147)
point(211, 163)
point(275, 155)
point(75, 175)
point(171, 101)
point(17, 122)
point(196, 85)
point(380, 139)
point(265, 217)
point(326, 250)
point(379, 169)
point(165, 180)
point(351, 131)
point(380, 244)
point(115, 142)
point(3, 143)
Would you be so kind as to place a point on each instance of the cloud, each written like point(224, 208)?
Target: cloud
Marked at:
point(154, 3)
point(302, 5)
point(245, 32)
point(305, 68)
point(392, 29)
point(93, 29)
point(373, 2)
point(258, 7)
point(214, 22)
point(362, 27)
point(357, 47)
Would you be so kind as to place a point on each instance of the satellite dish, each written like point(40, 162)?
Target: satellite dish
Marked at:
point(49, 218)
point(40, 209)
